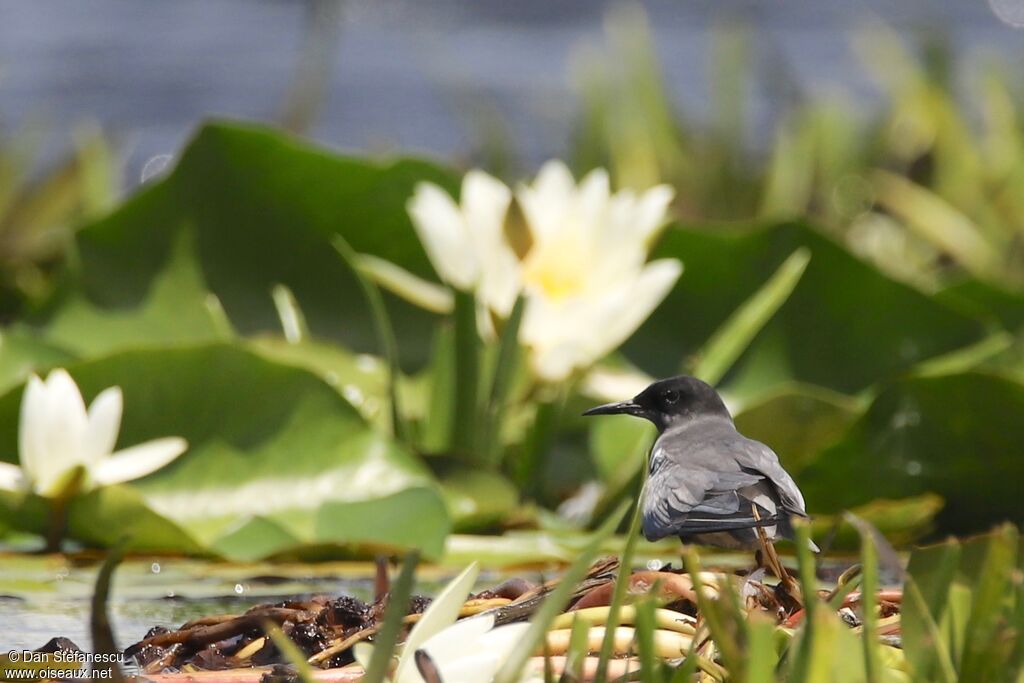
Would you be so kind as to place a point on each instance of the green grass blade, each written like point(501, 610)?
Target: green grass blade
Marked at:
point(645, 627)
point(930, 653)
point(467, 377)
point(926, 589)
point(717, 615)
point(387, 637)
point(290, 651)
point(577, 653)
point(293, 321)
point(501, 384)
point(619, 593)
point(869, 616)
point(985, 649)
point(803, 657)
point(555, 602)
point(836, 601)
point(937, 221)
point(528, 467)
point(384, 330)
point(400, 282)
point(761, 656)
point(730, 340)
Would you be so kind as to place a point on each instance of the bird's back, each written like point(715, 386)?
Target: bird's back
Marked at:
point(709, 484)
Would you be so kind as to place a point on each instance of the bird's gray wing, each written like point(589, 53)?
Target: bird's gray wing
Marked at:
point(753, 456)
point(679, 488)
point(710, 480)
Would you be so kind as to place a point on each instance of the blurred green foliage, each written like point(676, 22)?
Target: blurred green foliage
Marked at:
point(40, 208)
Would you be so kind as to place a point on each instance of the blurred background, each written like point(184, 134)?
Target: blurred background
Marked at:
point(444, 77)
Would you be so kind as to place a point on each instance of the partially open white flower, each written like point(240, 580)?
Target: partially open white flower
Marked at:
point(57, 437)
point(585, 277)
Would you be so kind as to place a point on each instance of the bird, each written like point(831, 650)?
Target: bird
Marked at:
point(708, 484)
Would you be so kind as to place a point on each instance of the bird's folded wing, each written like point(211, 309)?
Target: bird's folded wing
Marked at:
point(676, 493)
point(756, 458)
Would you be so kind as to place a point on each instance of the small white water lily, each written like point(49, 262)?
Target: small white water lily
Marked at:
point(58, 437)
point(585, 277)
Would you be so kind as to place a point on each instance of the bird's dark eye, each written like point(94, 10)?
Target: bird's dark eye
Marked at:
point(671, 396)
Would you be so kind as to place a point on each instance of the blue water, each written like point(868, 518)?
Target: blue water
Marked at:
point(413, 75)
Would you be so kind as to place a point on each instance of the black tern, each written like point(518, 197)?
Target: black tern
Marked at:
point(708, 483)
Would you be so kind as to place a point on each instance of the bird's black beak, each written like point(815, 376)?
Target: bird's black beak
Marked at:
point(620, 408)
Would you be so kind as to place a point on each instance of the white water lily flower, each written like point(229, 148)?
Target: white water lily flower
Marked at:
point(57, 436)
point(466, 241)
point(471, 650)
point(585, 277)
point(466, 651)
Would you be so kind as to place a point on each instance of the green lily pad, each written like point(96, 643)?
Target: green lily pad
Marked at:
point(477, 499)
point(987, 300)
point(263, 208)
point(177, 308)
point(23, 352)
point(845, 326)
point(270, 446)
point(958, 436)
point(798, 422)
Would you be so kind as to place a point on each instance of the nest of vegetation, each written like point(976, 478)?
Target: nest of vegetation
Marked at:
point(325, 629)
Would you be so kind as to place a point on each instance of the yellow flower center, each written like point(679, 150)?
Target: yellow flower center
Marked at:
point(559, 269)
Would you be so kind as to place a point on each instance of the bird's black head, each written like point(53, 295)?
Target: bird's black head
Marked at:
point(668, 402)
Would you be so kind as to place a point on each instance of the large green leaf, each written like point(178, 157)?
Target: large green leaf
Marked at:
point(959, 604)
point(798, 422)
point(176, 308)
point(957, 435)
point(277, 458)
point(985, 299)
point(263, 208)
point(22, 352)
point(845, 326)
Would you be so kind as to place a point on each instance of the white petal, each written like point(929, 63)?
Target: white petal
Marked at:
point(443, 612)
point(471, 667)
point(485, 201)
point(63, 423)
point(503, 640)
point(555, 363)
point(104, 425)
point(640, 300)
point(11, 477)
point(548, 200)
point(453, 642)
point(32, 427)
point(593, 196)
point(501, 280)
point(440, 227)
point(138, 461)
point(652, 210)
